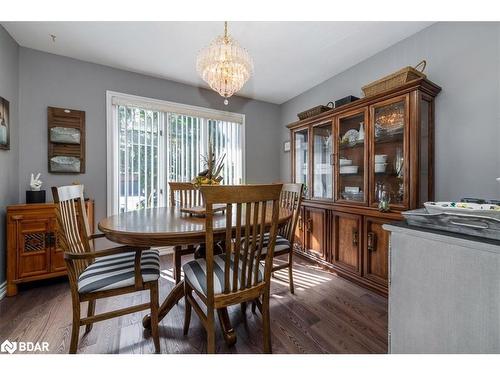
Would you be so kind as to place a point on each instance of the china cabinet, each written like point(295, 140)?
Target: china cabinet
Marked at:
point(362, 164)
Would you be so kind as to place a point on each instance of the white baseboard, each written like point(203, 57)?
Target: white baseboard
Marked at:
point(3, 289)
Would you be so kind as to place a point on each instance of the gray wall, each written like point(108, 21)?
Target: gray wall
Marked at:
point(464, 59)
point(50, 80)
point(9, 84)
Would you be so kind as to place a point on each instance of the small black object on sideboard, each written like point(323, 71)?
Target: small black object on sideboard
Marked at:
point(35, 196)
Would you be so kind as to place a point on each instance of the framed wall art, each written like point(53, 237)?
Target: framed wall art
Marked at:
point(66, 150)
point(4, 124)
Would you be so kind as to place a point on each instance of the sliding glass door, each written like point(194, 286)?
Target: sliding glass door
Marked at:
point(226, 138)
point(139, 155)
point(155, 147)
point(188, 139)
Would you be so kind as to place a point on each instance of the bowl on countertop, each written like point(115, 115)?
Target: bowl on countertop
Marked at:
point(489, 210)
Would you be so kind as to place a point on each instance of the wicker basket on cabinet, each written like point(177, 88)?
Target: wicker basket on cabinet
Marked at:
point(396, 79)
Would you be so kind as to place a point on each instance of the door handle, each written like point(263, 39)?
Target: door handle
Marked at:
point(300, 223)
point(355, 237)
point(372, 241)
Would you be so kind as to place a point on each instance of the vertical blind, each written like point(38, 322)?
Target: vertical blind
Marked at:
point(157, 147)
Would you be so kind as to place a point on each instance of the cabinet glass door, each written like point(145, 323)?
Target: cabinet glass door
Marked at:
point(322, 161)
point(301, 157)
point(389, 161)
point(351, 158)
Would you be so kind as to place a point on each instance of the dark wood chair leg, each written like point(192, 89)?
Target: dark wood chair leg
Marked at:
point(75, 328)
point(290, 271)
point(243, 306)
point(187, 307)
point(90, 312)
point(155, 305)
point(210, 331)
point(266, 323)
point(177, 264)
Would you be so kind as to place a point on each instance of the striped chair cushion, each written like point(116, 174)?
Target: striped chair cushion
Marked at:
point(282, 244)
point(196, 272)
point(117, 271)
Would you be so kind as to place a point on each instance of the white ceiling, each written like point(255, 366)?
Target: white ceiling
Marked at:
point(289, 57)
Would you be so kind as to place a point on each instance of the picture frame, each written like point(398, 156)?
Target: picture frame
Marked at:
point(286, 146)
point(4, 124)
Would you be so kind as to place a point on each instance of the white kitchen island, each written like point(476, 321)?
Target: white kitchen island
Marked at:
point(444, 292)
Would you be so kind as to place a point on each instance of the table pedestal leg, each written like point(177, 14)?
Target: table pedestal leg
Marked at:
point(173, 297)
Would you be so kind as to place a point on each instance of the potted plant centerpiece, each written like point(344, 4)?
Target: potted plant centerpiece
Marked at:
point(211, 175)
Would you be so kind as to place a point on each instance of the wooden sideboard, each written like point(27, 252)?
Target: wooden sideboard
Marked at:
point(340, 224)
point(33, 252)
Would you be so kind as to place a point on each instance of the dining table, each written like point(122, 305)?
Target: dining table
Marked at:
point(169, 226)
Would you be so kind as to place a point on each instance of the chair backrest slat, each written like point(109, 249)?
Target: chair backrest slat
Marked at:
point(251, 210)
point(254, 241)
point(262, 231)
point(73, 222)
point(184, 194)
point(247, 242)
point(237, 247)
point(227, 263)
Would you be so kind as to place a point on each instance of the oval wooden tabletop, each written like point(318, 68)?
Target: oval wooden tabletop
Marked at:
point(166, 226)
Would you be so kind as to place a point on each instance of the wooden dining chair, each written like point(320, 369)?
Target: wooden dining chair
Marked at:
point(183, 194)
point(291, 198)
point(105, 273)
point(237, 276)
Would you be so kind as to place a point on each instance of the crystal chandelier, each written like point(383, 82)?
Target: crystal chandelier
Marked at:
point(224, 65)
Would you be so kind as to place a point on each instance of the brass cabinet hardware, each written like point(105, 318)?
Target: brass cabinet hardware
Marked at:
point(372, 241)
point(309, 225)
point(355, 237)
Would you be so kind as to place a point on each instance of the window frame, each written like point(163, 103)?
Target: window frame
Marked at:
point(112, 137)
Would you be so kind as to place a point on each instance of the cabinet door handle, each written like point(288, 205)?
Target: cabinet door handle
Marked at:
point(332, 159)
point(372, 241)
point(300, 223)
point(309, 225)
point(355, 237)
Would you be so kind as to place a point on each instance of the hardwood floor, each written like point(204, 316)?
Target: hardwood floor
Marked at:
point(327, 314)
